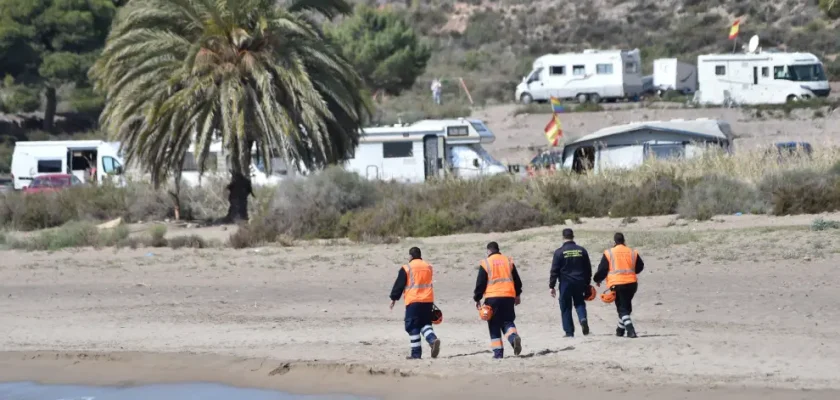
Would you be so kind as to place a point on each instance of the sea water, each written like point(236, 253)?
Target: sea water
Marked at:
point(180, 391)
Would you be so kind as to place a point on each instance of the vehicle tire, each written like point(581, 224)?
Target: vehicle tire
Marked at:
point(526, 98)
point(594, 98)
point(792, 98)
point(582, 98)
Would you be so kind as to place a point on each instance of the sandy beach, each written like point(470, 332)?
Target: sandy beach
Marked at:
point(740, 307)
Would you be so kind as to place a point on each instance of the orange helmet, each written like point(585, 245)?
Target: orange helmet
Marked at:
point(485, 312)
point(437, 315)
point(608, 296)
point(591, 293)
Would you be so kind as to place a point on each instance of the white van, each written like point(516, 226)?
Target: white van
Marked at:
point(89, 160)
point(425, 150)
point(593, 75)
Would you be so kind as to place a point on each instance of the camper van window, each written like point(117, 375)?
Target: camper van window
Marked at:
point(578, 70)
point(49, 166)
point(111, 166)
point(397, 149)
point(765, 72)
point(478, 126)
point(604, 69)
point(535, 76)
point(457, 131)
point(631, 67)
point(806, 73)
point(720, 70)
point(555, 70)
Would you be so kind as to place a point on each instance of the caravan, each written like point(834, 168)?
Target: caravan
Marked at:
point(758, 77)
point(425, 150)
point(215, 166)
point(672, 74)
point(589, 76)
point(87, 160)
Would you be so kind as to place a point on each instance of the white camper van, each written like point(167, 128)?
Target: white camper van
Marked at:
point(425, 150)
point(77, 157)
point(589, 76)
point(216, 167)
point(760, 77)
point(672, 74)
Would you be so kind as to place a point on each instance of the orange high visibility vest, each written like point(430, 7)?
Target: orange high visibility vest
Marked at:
point(622, 261)
point(499, 270)
point(418, 287)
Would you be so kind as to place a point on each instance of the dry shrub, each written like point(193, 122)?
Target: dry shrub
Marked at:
point(715, 195)
point(802, 191)
point(73, 234)
point(655, 196)
point(508, 213)
point(189, 241)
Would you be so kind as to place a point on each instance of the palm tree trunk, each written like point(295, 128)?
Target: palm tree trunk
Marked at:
point(238, 191)
point(49, 110)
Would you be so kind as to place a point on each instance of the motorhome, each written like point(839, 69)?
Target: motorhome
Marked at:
point(592, 75)
point(215, 166)
point(759, 77)
point(425, 150)
point(88, 160)
point(670, 74)
point(629, 145)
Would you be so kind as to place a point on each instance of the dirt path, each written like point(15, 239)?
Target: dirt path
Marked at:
point(748, 302)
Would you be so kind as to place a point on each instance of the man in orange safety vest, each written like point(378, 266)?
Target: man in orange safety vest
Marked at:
point(498, 282)
point(619, 267)
point(414, 282)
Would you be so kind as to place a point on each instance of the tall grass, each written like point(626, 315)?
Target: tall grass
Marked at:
point(331, 203)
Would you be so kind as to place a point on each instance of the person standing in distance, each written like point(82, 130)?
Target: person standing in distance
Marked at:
point(498, 282)
point(572, 268)
point(619, 267)
point(414, 280)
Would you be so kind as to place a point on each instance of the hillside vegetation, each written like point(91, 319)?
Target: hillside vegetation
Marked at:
point(492, 43)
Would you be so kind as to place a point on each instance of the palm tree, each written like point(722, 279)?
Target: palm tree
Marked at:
point(251, 73)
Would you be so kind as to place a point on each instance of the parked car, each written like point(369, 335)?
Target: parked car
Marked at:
point(51, 183)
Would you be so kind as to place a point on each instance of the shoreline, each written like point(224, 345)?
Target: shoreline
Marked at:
point(332, 378)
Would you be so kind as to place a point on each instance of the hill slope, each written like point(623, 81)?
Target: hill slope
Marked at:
point(491, 44)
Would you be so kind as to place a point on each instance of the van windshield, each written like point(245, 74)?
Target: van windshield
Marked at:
point(479, 126)
point(805, 73)
point(535, 75)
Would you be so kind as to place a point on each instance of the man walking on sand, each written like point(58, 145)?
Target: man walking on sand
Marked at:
point(498, 282)
point(414, 281)
point(572, 268)
point(619, 267)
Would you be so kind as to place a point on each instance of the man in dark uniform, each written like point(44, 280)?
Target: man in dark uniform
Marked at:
point(571, 266)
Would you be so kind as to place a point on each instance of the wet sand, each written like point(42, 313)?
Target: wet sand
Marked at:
point(743, 308)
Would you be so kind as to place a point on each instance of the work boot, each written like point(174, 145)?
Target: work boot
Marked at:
point(631, 332)
point(517, 345)
point(435, 348)
point(498, 353)
point(584, 326)
point(412, 357)
point(619, 332)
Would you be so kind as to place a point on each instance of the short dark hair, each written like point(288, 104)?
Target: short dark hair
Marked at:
point(618, 238)
point(414, 252)
point(568, 234)
point(493, 246)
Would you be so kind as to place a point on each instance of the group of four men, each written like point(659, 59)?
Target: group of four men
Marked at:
point(499, 284)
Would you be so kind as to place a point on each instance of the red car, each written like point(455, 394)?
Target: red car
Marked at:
point(51, 183)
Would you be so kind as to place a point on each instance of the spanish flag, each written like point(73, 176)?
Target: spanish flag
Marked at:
point(554, 131)
point(733, 32)
point(556, 106)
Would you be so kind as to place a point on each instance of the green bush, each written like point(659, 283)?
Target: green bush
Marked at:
point(157, 236)
point(656, 196)
point(715, 195)
point(73, 234)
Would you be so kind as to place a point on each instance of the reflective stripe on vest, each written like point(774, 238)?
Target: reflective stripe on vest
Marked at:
point(627, 273)
point(499, 285)
point(415, 292)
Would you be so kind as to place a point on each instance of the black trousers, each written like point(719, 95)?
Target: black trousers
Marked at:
point(624, 302)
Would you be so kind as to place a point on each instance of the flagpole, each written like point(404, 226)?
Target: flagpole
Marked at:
point(734, 44)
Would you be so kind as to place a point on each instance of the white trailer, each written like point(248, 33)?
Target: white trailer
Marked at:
point(88, 160)
point(592, 75)
point(425, 150)
point(672, 74)
point(759, 77)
